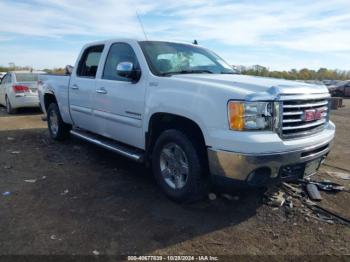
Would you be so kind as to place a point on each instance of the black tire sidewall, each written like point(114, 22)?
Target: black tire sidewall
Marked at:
point(190, 190)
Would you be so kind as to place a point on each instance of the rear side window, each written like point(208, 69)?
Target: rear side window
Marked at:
point(26, 77)
point(89, 61)
point(119, 52)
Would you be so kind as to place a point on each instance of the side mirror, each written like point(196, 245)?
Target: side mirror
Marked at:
point(68, 69)
point(126, 69)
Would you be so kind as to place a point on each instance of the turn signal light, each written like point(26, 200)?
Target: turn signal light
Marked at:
point(236, 115)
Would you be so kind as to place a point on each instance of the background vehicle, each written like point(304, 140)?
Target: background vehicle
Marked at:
point(184, 110)
point(341, 89)
point(19, 89)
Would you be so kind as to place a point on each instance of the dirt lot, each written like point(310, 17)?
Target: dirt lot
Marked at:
point(86, 199)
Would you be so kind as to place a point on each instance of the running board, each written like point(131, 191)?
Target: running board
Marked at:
point(129, 152)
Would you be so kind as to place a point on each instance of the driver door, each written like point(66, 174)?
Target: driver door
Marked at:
point(119, 102)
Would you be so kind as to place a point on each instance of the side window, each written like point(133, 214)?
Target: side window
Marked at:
point(119, 52)
point(89, 61)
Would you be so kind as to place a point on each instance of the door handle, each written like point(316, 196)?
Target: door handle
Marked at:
point(101, 91)
point(75, 86)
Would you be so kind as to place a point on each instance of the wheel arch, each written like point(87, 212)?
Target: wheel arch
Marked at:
point(162, 121)
point(48, 99)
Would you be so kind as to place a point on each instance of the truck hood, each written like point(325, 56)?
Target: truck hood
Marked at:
point(252, 87)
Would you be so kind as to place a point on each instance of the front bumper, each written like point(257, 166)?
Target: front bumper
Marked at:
point(261, 169)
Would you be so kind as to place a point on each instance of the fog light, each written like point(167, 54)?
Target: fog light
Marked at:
point(259, 177)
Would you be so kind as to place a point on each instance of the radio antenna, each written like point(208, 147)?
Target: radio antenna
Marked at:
point(143, 29)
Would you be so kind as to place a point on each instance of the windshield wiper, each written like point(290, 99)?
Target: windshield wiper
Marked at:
point(186, 72)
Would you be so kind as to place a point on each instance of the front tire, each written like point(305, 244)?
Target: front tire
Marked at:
point(9, 108)
point(178, 167)
point(57, 128)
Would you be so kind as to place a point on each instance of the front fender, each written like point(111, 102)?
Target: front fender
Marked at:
point(194, 105)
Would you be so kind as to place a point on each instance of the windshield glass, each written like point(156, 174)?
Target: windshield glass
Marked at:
point(26, 77)
point(166, 58)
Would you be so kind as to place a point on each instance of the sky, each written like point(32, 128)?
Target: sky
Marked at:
point(280, 35)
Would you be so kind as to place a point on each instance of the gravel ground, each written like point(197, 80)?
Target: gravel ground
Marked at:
point(73, 198)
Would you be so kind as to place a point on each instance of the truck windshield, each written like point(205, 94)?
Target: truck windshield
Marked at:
point(165, 58)
point(26, 77)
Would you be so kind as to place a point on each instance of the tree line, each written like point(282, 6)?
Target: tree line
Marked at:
point(294, 74)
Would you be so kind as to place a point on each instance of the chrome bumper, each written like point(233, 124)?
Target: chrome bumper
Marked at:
point(244, 167)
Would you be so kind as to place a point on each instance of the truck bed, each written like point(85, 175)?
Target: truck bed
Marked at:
point(55, 79)
point(57, 85)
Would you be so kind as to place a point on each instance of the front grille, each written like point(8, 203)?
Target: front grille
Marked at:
point(297, 117)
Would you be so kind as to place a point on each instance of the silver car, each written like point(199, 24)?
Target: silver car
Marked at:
point(19, 89)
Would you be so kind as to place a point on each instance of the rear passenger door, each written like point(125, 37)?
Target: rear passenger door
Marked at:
point(82, 88)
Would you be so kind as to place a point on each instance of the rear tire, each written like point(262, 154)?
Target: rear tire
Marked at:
point(57, 128)
point(178, 167)
point(9, 108)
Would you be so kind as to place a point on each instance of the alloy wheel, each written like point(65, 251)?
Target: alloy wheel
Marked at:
point(174, 166)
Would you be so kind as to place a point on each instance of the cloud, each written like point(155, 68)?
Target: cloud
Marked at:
point(272, 26)
point(299, 25)
point(64, 18)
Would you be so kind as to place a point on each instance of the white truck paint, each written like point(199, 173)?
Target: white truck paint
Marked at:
point(122, 110)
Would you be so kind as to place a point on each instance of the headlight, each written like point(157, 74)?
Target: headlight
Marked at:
point(250, 115)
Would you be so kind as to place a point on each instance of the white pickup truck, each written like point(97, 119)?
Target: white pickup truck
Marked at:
point(185, 111)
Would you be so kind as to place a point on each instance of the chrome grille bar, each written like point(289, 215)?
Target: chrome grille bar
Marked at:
point(306, 105)
point(292, 120)
point(293, 113)
point(317, 123)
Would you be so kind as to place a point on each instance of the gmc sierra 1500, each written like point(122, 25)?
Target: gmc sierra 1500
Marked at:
point(184, 110)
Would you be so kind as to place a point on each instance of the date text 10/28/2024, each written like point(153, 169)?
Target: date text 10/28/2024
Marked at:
point(173, 258)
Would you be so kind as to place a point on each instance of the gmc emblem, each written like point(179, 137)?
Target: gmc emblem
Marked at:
point(313, 114)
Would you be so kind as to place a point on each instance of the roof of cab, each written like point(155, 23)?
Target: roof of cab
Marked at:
point(133, 40)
